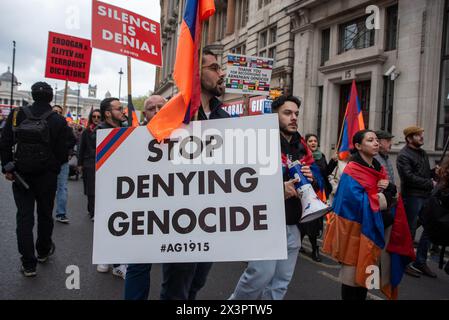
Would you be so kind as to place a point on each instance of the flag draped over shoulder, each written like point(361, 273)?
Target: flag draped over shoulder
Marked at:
point(355, 234)
point(182, 107)
point(353, 122)
point(400, 248)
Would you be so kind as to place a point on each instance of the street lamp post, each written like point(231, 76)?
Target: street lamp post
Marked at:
point(12, 75)
point(120, 83)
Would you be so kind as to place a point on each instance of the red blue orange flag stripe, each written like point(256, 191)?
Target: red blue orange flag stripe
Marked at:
point(355, 234)
point(181, 108)
point(353, 122)
point(112, 141)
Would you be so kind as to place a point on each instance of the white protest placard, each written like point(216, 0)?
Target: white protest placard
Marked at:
point(248, 75)
point(212, 192)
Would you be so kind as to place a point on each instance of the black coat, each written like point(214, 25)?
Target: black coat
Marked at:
point(326, 169)
point(57, 126)
point(87, 149)
point(414, 170)
point(216, 112)
point(293, 150)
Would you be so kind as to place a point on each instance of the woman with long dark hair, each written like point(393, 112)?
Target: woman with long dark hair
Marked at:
point(314, 228)
point(356, 233)
point(86, 159)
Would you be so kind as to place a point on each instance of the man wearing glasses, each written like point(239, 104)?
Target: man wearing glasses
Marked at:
point(112, 116)
point(181, 281)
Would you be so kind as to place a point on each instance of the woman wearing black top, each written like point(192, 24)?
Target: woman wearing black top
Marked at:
point(86, 159)
point(314, 228)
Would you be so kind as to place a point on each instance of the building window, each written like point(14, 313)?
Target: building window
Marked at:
point(443, 110)
point(387, 107)
point(240, 49)
point(267, 43)
point(320, 112)
point(355, 35)
point(263, 3)
point(242, 13)
point(220, 24)
point(325, 45)
point(391, 28)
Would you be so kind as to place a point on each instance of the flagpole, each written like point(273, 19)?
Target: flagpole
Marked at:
point(64, 105)
point(130, 115)
point(195, 117)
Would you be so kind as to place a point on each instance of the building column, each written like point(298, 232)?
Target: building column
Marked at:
point(230, 17)
point(211, 31)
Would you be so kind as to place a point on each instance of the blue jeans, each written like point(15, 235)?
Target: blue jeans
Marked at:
point(137, 281)
point(182, 281)
point(61, 191)
point(413, 206)
point(422, 250)
point(269, 279)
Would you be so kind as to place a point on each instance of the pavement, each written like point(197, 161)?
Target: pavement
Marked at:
point(311, 280)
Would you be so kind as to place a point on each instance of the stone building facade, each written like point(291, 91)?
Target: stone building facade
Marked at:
point(397, 51)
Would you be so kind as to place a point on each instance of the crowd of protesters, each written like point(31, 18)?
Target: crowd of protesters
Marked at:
point(70, 150)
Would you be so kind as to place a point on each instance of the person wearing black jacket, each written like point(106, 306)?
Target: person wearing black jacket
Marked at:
point(182, 281)
point(42, 184)
point(416, 186)
point(112, 116)
point(86, 159)
point(269, 279)
point(313, 228)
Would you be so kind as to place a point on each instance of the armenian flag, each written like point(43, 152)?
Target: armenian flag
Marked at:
point(355, 234)
point(400, 249)
point(183, 106)
point(353, 122)
point(69, 117)
point(130, 111)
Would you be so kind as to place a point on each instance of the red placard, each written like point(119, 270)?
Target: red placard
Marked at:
point(234, 108)
point(124, 32)
point(68, 58)
point(256, 105)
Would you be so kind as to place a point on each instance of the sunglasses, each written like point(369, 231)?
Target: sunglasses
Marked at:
point(96, 117)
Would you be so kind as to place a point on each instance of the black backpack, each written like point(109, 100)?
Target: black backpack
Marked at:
point(435, 219)
point(32, 137)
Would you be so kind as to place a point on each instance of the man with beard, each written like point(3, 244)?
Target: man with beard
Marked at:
point(269, 279)
point(112, 116)
point(416, 186)
point(182, 281)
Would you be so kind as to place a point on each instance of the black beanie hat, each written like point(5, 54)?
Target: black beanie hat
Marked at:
point(42, 92)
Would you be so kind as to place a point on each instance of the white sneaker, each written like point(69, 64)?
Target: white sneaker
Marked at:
point(119, 271)
point(103, 268)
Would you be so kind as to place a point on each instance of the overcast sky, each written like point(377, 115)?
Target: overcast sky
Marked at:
point(28, 23)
